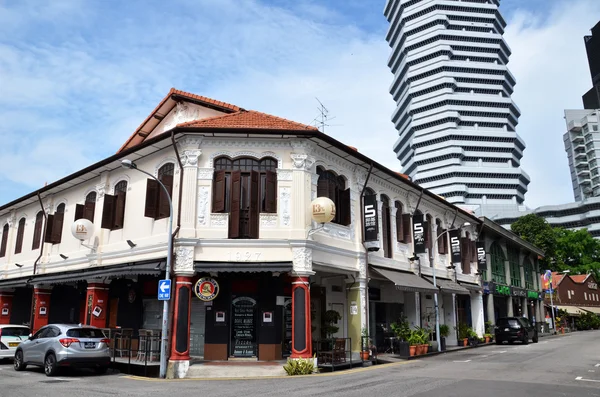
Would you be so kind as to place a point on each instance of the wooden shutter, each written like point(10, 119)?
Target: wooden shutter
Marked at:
point(254, 207)
point(119, 210)
point(271, 192)
point(37, 232)
point(163, 202)
point(427, 233)
point(399, 226)
point(20, 232)
point(79, 209)
point(465, 255)
point(323, 187)
point(234, 204)
point(108, 212)
point(151, 206)
point(218, 202)
point(406, 228)
point(4, 241)
point(57, 226)
point(89, 210)
point(473, 251)
point(344, 210)
point(441, 240)
point(49, 224)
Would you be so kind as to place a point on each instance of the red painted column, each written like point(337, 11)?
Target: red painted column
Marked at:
point(301, 325)
point(6, 299)
point(41, 307)
point(180, 340)
point(97, 305)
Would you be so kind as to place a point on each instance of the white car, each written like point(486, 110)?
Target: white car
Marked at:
point(11, 336)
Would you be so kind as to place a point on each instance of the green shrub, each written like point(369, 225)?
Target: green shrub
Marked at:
point(299, 366)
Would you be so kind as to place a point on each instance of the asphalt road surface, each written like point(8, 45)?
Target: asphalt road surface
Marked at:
point(556, 366)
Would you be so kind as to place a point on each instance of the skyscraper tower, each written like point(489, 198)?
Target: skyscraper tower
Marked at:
point(591, 99)
point(454, 113)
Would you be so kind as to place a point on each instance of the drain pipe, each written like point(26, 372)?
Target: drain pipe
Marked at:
point(42, 238)
point(362, 230)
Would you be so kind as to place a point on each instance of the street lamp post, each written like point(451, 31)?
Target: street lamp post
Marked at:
point(165, 315)
point(435, 295)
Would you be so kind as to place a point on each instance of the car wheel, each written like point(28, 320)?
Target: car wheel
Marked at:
point(510, 342)
point(526, 340)
point(499, 342)
point(101, 370)
point(535, 339)
point(50, 366)
point(18, 361)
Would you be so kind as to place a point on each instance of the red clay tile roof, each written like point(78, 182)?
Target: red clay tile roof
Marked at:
point(248, 119)
point(579, 278)
point(227, 107)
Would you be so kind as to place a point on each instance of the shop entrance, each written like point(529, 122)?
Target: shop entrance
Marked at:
point(197, 327)
point(243, 327)
point(500, 307)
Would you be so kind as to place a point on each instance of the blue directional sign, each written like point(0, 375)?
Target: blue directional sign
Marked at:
point(164, 290)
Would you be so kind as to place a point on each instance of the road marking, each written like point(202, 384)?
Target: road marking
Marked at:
point(586, 380)
point(461, 361)
point(485, 355)
point(499, 351)
point(591, 370)
point(597, 365)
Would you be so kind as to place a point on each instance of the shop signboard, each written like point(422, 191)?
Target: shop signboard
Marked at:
point(370, 217)
point(481, 256)
point(455, 246)
point(496, 289)
point(486, 287)
point(518, 292)
point(534, 295)
point(420, 227)
point(243, 327)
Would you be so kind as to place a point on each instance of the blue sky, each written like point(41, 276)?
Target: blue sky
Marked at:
point(78, 76)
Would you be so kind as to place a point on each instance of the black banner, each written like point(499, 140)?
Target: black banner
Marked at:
point(518, 292)
point(481, 256)
point(455, 246)
point(420, 227)
point(370, 218)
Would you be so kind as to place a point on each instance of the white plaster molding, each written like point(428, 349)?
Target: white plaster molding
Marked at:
point(88, 191)
point(164, 161)
point(120, 178)
point(268, 220)
point(182, 113)
point(284, 205)
point(244, 153)
point(302, 161)
point(184, 260)
point(338, 231)
point(302, 145)
point(206, 174)
point(302, 259)
point(314, 178)
point(189, 142)
point(362, 268)
point(284, 175)
point(219, 220)
point(203, 210)
point(189, 157)
point(101, 189)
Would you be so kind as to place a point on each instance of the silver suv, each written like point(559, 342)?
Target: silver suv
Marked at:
point(63, 345)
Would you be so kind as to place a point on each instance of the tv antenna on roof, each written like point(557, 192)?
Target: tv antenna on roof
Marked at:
point(321, 120)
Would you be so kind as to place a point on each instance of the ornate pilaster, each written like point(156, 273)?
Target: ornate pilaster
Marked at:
point(189, 152)
point(184, 261)
point(302, 260)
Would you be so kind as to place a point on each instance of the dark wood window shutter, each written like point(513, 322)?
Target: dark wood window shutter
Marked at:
point(79, 209)
point(89, 210)
point(49, 225)
point(344, 210)
point(4, 241)
point(465, 255)
point(108, 212)
point(234, 207)
point(441, 242)
point(428, 236)
point(20, 233)
point(37, 231)
point(57, 227)
point(151, 206)
point(254, 204)
point(399, 226)
point(406, 228)
point(218, 204)
point(323, 187)
point(119, 210)
point(163, 202)
point(473, 250)
point(271, 192)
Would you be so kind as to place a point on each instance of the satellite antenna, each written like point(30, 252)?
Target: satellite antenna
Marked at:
point(321, 121)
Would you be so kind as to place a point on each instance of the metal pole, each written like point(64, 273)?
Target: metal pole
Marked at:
point(165, 314)
point(552, 310)
point(435, 299)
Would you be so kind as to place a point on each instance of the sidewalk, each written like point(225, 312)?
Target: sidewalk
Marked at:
point(229, 369)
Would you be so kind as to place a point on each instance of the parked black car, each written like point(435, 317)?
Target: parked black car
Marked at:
point(511, 329)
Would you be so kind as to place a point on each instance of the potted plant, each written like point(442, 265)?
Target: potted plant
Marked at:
point(423, 336)
point(366, 343)
point(401, 329)
point(473, 338)
point(331, 317)
point(488, 338)
point(463, 334)
point(444, 332)
point(413, 340)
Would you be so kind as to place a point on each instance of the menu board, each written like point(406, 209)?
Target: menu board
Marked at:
point(244, 327)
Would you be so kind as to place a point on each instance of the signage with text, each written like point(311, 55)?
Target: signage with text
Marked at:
point(455, 246)
point(420, 227)
point(518, 292)
point(481, 256)
point(370, 217)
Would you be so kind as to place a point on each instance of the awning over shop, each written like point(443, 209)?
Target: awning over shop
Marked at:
point(405, 281)
point(591, 309)
point(100, 272)
point(471, 286)
point(245, 267)
point(448, 286)
point(571, 310)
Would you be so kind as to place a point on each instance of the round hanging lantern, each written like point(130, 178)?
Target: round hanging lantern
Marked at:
point(82, 229)
point(323, 210)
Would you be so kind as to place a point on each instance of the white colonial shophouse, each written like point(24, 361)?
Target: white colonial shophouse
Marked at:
point(254, 275)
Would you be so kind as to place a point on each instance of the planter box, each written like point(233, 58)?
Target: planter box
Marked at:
point(402, 349)
point(443, 343)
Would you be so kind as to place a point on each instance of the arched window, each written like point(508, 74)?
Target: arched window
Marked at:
point(20, 233)
point(37, 230)
point(442, 240)
point(529, 273)
point(386, 231)
point(113, 212)
point(334, 186)
point(466, 253)
point(87, 210)
point(515, 268)
point(497, 258)
point(4, 241)
point(245, 187)
point(157, 202)
point(403, 232)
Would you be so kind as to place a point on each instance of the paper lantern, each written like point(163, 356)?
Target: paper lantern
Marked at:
point(323, 210)
point(82, 229)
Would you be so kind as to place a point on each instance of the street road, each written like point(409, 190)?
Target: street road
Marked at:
point(557, 366)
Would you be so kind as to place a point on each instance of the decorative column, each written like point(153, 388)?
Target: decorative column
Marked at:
point(41, 307)
point(301, 321)
point(179, 361)
point(294, 199)
point(97, 304)
point(189, 152)
point(357, 310)
point(6, 299)
point(490, 309)
point(509, 300)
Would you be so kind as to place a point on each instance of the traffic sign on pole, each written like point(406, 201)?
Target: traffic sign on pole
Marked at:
point(164, 290)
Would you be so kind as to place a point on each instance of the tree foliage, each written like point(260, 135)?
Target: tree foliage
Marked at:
point(574, 250)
